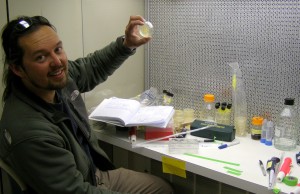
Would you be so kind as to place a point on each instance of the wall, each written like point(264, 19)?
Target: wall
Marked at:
point(103, 21)
point(195, 40)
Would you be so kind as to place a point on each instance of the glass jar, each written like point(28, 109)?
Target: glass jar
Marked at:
point(208, 112)
point(256, 126)
point(286, 129)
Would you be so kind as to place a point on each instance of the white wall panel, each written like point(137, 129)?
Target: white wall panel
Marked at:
point(64, 15)
point(103, 22)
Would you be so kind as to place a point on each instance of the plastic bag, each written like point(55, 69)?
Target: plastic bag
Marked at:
point(239, 100)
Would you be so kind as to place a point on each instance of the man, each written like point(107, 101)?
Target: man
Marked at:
point(44, 132)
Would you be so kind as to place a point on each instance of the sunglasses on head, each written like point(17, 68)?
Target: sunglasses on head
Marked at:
point(24, 23)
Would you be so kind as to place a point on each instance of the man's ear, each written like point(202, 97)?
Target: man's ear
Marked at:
point(17, 69)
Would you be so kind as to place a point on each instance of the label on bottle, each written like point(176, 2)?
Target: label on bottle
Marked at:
point(255, 131)
point(277, 132)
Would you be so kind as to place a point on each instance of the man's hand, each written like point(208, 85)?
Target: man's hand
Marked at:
point(132, 38)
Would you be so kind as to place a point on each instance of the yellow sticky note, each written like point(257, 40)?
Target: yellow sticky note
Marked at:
point(174, 166)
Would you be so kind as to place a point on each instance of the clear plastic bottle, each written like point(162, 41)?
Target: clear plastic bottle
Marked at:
point(218, 116)
point(208, 109)
point(228, 114)
point(286, 134)
point(269, 133)
point(264, 129)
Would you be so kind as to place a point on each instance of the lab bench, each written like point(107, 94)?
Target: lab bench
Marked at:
point(208, 171)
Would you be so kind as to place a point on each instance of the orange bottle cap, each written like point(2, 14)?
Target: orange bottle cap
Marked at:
point(209, 98)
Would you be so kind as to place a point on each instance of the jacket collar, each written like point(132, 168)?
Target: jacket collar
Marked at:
point(21, 92)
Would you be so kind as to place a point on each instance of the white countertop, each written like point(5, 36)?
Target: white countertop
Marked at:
point(245, 155)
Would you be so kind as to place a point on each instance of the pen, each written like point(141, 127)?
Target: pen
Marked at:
point(262, 168)
point(228, 144)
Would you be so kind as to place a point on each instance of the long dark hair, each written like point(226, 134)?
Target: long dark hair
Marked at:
point(11, 34)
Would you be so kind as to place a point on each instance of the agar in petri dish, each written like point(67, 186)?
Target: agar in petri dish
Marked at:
point(146, 30)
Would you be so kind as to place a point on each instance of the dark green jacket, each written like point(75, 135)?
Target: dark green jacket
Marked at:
point(36, 140)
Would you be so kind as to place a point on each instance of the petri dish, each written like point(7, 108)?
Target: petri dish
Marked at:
point(146, 30)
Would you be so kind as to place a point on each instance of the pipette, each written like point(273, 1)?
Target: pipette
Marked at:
point(271, 168)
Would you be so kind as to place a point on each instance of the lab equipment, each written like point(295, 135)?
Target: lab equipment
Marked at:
point(290, 180)
point(261, 165)
point(264, 128)
point(189, 115)
point(286, 127)
point(271, 168)
point(269, 133)
point(218, 114)
point(208, 111)
point(284, 169)
point(178, 120)
point(216, 131)
point(183, 145)
point(228, 114)
point(298, 158)
point(256, 126)
point(146, 30)
point(132, 134)
point(225, 145)
point(239, 100)
point(169, 136)
point(167, 98)
point(222, 113)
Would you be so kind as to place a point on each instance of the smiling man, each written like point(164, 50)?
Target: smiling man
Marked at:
point(44, 131)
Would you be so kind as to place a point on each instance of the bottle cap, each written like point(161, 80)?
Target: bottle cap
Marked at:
point(146, 30)
point(224, 104)
point(268, 143)
point(209, 98)
point(257, 120)
point(229, 105)
point(223, 107)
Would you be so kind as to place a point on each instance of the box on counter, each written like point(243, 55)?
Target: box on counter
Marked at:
point(219, 132)
point(154, 132)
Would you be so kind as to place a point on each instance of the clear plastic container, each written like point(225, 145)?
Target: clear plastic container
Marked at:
point(286, 129)
point(189, 115)
point(269, 133)
point(178, 119)
point(146, 30)
point(264, 128)
point(218, 115)
point(208, 111)
point(240, 124)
